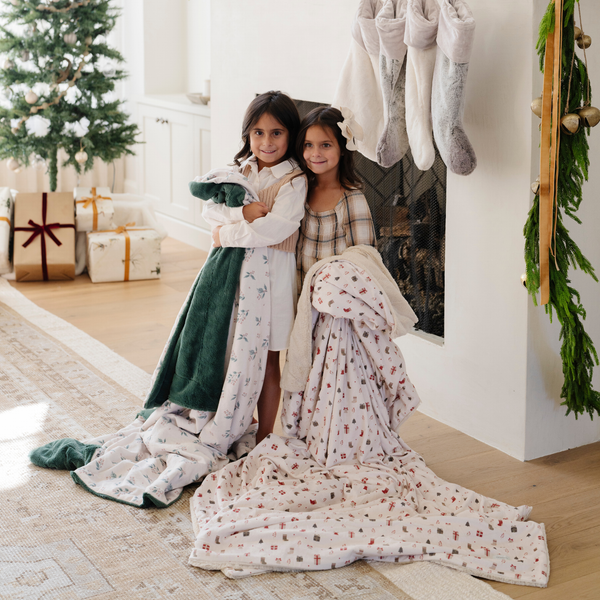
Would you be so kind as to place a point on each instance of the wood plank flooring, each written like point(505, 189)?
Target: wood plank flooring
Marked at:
point(135, 318)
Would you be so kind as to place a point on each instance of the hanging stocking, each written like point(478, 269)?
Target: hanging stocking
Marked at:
point(456, 32)
point(359, 86)
point(421, 29)
point(391, 22)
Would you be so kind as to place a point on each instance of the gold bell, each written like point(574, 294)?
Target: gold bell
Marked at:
point(535, 186)
point(570, 123)
point(536, 106)
point(585, 41)
point(590, 116)
point(578, 33)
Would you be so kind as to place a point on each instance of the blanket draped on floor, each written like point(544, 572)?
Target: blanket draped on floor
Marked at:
point(346, 487)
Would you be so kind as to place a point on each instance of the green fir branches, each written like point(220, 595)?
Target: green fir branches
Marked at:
point(578, 353)
point(59, 51)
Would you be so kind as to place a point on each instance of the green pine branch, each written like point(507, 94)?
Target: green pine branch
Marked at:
point(577, 352)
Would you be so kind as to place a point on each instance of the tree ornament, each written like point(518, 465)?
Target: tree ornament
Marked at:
point(88, 40)
point(81, 157)
point(535, 186)
point(70, 38)
point(25, 55)
point(31, 97)
point(12, 164)
point(9, 64)
point(577, 32)
point(524, 279)
point(536, 107)
point(570, 123)
point(584, 42)
point(590, 116)
point(15, 2)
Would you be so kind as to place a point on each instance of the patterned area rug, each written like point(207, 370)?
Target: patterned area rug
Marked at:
point(59, 542)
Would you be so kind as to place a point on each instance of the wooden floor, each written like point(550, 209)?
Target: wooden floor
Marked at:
point(135, 318)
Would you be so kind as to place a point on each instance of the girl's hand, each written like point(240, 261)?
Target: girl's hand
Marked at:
point(255, 210)
point(216, 240)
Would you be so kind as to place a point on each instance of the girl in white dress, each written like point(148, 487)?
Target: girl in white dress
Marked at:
point(267, 159)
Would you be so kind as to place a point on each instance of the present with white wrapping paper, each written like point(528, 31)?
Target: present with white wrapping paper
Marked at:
point(125, 253)
point(94, 208)
point(6, 219)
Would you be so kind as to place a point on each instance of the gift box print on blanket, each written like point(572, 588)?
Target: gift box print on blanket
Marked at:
point(347, 487)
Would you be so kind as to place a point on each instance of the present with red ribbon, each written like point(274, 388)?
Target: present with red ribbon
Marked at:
point(44, 243)
point(125, 253)
point(93, 208)
point(6, 217)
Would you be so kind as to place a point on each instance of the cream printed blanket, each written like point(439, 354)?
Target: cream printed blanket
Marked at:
point(346, 487)
point(150, 462)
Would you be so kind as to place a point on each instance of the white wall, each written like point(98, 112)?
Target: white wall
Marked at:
point(497, 375)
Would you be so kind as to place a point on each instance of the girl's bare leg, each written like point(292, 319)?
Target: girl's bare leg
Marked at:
point(268, 401)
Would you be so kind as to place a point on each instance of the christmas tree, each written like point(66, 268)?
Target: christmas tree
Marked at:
point(57, 85)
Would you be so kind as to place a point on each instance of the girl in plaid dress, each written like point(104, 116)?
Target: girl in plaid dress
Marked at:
point(337, 214)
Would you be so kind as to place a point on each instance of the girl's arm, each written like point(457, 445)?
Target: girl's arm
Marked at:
point(283, 220)
point(359, 226)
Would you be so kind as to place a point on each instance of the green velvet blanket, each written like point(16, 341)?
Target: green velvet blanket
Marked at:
point(193, 369)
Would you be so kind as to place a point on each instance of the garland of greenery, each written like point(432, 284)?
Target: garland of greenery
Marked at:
point(577, 352)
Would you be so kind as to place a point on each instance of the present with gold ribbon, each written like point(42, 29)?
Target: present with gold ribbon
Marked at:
point(125, 253)
point(6, 218)
point(93, 208)
point(44, 241)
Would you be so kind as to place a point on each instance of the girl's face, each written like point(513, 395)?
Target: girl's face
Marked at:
point(268, 141)
point(321, 151)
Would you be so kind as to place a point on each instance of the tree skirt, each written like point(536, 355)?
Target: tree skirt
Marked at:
point(347, 487)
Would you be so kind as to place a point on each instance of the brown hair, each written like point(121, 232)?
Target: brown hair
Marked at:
point(328, 117)
point(281, 107)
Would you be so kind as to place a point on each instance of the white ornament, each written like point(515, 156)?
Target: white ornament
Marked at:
point(70, 38)
point(31, 97)
point(12, 164)
point(9, 64)
point(25, 55)
point(81, 157)
point(15, 2)
point(88, 40)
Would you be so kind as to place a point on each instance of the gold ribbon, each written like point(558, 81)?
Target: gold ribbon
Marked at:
point(5, 219)
point(123, 229)
point(87, 201)
point(550, 143)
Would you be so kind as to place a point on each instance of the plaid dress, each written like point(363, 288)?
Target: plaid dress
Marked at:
point(329, 233)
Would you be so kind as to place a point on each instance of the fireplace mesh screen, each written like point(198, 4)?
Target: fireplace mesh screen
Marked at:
point(409, 211)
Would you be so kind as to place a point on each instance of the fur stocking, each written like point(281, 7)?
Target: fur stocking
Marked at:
point(421, 29)
point(359, 87)
point(455, 42)
point(390, 23)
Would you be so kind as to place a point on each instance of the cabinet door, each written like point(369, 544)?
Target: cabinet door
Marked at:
point(202, 161)
point(155, 164)
point(168, 161)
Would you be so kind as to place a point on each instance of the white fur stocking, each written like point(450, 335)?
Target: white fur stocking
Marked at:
point(359, 87)
point(455, 41)
point(421, 30)
point(390, 23)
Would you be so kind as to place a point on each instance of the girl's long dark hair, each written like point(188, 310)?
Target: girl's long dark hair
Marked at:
point(328, 118)
point(282, 108)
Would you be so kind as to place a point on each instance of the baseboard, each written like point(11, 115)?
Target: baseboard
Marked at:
point(185, 232)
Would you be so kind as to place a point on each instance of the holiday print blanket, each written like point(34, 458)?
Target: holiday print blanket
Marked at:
point(149, 462)
point(345, 486)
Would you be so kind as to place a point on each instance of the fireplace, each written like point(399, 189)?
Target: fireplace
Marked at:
point(409, 211)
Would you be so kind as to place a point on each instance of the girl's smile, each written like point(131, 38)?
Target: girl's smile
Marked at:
point(269, 141)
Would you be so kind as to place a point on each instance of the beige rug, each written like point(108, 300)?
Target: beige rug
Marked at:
point(59, 542)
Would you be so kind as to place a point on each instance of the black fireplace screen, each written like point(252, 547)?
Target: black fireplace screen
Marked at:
point(409, 211)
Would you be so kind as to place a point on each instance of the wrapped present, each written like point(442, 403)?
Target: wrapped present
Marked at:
point(93, 208)
point(6, 217)
point(125, 253)
point(44, 243)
